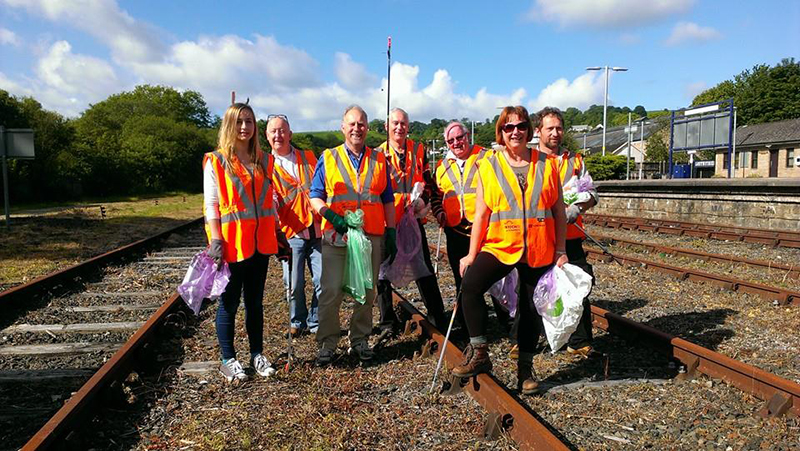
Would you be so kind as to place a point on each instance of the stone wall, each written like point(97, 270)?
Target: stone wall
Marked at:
point(758, 203)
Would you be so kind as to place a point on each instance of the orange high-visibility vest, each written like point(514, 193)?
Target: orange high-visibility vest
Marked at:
point(346, 192)
point(295, 211)
point(568, 168)
point(247, 216)
point(517, 225)
point(458, 187)
point(404, 178)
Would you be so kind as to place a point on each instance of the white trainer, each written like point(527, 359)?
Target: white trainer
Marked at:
point(233, 370)
point(262, 366)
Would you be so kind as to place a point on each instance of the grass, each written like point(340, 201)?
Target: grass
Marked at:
point(47, 237)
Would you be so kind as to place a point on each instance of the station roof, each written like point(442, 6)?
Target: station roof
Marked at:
point(768, 133)
point(615, 137)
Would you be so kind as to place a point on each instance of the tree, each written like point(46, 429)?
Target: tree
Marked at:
point(56, 171)
point(761, 94)
point(377, 125)
point(640, 111)
point(609, 167)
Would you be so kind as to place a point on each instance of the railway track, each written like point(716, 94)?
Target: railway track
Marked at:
point(789, 271)
point(780, 395)
point(82, 330)
point(718, 232)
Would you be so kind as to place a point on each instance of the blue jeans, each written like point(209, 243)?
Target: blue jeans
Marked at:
point(304, 253)
point(247, 277)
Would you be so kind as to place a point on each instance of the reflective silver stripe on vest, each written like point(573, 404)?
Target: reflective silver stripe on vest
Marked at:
point(516, 212)
point(291, 189)
point(250, 211)
point(352, 195)
point(570, 169)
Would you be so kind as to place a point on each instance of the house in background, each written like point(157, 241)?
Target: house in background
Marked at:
point(770, 149)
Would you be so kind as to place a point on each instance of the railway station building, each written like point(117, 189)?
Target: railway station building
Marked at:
point(771, 149)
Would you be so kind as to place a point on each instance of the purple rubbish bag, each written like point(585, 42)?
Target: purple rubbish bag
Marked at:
point(505, 291)
point(409, 264)
point(202, 280)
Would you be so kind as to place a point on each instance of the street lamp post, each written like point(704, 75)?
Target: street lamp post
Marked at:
point(605, 98)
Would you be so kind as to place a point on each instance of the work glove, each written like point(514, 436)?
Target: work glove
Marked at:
point(215, 252)
point(284, 250)
point(573, 211)
point(391, 243)
point(336, 220)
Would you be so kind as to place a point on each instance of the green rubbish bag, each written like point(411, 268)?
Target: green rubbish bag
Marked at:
point(358, 264)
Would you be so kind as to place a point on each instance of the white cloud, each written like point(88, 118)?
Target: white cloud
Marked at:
point(581, 93)
point(8, 37)
point(690, 90)
point(277, 78)
point(73, 74)
point(686, 32)
point(129, 39)
point(605, 13)
point(352, 75)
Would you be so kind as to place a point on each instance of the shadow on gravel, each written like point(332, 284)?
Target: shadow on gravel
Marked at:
point(698, 327)
point(620, 307)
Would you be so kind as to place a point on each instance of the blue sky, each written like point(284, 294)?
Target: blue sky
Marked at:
point(450, 59)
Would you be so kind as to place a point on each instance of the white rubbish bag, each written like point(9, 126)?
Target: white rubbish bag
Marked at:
point(558, 297)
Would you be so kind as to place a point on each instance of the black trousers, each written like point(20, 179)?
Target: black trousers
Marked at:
point(484, 272)
point(428, 289)
point(577, 256)
point(458, 248)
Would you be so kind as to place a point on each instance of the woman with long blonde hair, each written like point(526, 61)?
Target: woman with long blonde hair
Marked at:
point(242, 232)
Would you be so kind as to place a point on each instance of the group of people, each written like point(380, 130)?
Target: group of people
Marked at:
point(499, 208)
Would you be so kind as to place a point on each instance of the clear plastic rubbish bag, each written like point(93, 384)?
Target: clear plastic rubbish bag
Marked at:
point(577, 189)
point(358, 264)
point(409, 263)
point(558, 297)
point(505, 291)
point(202, 280)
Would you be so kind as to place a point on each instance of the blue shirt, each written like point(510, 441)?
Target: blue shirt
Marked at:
point(318, 182)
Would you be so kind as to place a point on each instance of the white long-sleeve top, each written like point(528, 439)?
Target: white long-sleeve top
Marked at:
point(211, 190)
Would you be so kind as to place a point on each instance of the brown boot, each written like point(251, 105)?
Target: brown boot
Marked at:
point(526, 377)
point(476, 362)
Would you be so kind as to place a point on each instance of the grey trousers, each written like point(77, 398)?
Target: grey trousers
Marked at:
point(330, 300)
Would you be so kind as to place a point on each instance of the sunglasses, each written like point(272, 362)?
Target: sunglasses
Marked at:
point(521, 126)
point(282, 116)
point(460, 137)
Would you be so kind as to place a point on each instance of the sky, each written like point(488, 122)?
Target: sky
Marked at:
point(311, 59)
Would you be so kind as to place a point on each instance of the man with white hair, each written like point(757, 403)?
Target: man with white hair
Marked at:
point(351, 177)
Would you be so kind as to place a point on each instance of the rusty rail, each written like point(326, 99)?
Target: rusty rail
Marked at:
point(776, 238)
point(515, 419)
point(782, 296)
point(22, 293)
point(781, 394)
point(84, 400)
point(792, 270)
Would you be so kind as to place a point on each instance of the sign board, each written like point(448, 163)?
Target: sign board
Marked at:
point(704, 164)
point(709, 126)
point(19, 143)
point(632, 129)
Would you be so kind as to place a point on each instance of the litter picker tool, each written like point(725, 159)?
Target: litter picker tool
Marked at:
point(289, 350)
point(446, 339)
point(600, 245)
point(438, 247)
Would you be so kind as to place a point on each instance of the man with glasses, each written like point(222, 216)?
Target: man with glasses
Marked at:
point(408, 165)
point(351, 177)
point(291, 178)
point(549, 126)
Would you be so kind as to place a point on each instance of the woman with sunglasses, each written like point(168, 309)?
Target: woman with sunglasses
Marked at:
point(519, 222)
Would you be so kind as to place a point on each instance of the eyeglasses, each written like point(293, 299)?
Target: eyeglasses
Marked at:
point(521, 126)
point(282, 116)
point(452, 140)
